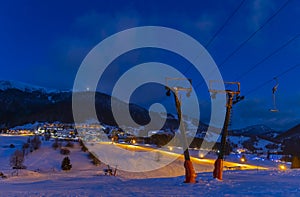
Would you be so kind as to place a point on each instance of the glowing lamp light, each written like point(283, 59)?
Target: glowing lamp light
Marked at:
point(243, 160)
point(282, 167)
point(201, 156)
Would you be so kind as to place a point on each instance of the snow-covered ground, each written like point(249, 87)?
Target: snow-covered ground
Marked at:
point(235, 183)
point(43, 177)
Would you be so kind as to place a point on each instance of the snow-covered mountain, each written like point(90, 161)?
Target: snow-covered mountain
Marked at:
point(22, 103)
point(291, 133)
point(6, 85)
point(262, 131)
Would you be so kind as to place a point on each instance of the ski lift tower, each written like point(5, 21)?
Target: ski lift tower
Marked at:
point(190, 175)
point(233, 97)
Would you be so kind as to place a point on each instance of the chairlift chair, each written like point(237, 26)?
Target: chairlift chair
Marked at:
point(274, 89)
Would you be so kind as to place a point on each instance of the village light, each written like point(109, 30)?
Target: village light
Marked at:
point(282, 167)
point(133, 141)
point(201, 155)
point(243, 159)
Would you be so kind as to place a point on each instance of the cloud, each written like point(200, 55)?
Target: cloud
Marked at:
point(259, 12)
point(206, 23)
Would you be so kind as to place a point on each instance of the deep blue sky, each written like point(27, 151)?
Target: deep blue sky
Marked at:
point(44, 42)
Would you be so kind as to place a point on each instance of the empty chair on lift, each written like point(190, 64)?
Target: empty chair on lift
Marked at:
point(274, 89)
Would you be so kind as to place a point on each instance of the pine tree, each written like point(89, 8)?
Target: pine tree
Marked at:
point(66, 164)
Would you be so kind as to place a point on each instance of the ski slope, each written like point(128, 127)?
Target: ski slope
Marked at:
point(43, 177)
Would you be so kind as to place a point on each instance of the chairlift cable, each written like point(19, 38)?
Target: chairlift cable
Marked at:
point(268, 57)
point(226, 22)
point(264, 83)
point(218, 31)
point(270, 80)
point(250, 37)
point(254, 33)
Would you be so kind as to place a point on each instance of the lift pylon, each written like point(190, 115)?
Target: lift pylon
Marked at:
point(190, 174)
point(233, 97)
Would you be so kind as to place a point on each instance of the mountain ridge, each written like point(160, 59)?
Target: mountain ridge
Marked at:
point(10, 84)
point(22, 103)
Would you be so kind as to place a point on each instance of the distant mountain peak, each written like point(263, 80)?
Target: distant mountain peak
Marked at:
point(9, 84)
point(259, 126)
point(255, 130)
point(293, 132)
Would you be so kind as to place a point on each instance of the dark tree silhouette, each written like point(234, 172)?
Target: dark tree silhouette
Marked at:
point(65, 151)
point(17, 160)
point(36, 142)
point(66, 164)
point(25, 148)
point(292, 147)
point(70, 144)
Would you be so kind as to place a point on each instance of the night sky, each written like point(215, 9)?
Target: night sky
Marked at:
point(252, 41)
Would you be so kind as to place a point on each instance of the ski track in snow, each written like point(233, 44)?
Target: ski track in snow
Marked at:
point(85, 179)
point(246, 183)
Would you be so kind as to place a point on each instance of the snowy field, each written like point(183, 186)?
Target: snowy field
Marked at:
point(236, 183)
point(43, 177)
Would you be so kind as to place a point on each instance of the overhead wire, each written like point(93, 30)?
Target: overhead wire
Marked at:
point(264, 83)
point(267, 57)
point(270, 80)
point(225, 23)
point(250, 37)
point(287, 43)
point(246, 41)
point(254, 33)
point(218, 31)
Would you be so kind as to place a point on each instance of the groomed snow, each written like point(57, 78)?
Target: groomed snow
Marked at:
point(43, 177)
